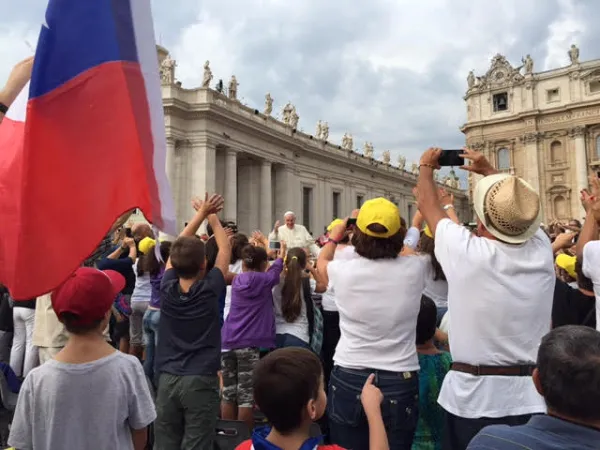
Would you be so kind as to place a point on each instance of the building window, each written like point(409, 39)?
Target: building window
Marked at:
point(598, 147)
point(410, 214)
point(594, 86)
point(560, 207)
point(360, 198)
point(500, 102)
point(556, 152)
point(306, 206)
point(552, 95)
point(336, 204)
point(503, 157)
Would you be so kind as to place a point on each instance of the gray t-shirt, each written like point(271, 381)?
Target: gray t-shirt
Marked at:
point(82, 406)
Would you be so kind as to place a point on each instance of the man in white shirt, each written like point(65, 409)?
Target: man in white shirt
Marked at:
point(500, 289)
point(294, 235)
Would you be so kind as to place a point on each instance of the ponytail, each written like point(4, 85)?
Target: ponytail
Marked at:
point(291, 292)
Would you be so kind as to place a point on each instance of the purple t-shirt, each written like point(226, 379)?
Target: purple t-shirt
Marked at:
point(155, 283)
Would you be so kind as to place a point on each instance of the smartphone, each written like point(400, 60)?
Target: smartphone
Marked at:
point(274, 245)
point(351, 222)
point(128, 233)
point(451, 158)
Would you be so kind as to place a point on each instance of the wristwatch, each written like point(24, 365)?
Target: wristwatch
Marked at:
point(3, 108)
point(447, 207)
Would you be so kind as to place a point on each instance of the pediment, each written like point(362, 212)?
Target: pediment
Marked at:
point(500, 74)
point(559, 189)
point(593, 74)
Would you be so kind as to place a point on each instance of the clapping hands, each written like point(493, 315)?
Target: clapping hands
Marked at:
point(210, 205)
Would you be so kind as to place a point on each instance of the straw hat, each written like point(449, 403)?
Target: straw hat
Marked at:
point(508, 207)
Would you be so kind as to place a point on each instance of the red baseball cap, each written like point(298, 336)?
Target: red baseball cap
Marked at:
point(88, 293)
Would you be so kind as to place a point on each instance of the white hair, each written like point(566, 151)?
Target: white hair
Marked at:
point(289, 213)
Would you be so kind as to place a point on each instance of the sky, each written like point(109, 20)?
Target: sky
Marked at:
point(392, 72)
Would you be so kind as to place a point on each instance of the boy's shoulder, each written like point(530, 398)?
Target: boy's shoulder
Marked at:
point(247, 445)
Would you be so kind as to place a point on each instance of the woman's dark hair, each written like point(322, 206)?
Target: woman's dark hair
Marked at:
point(211, 250)
point(291, 292)
point(254, 258)
point(153, 266)
point(238, 242)
point(427, 246)
point(378, 248)
point(426, 321)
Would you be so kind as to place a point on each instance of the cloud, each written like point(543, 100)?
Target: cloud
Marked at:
point(390, 72)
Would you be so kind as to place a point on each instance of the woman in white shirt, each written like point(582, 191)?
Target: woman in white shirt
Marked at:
point(378, 296)
point(238, 242)
point(140, 298)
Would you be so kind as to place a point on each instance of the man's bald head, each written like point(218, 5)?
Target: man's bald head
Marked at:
point(141, 231)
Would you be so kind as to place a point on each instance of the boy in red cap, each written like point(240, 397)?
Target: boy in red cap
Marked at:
point(90, 396)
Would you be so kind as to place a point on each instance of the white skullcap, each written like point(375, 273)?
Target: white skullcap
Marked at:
point(289, 213)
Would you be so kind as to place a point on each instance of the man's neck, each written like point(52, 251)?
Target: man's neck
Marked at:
point(85, 348)
point(592, 424)
point(290, 441)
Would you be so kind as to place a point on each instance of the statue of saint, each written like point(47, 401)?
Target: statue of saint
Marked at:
point(268, 104)
point(368, 150)
point(471, 79)
point(287, 113)
point(208, 76)
point(294, 118)
point(528, 64)
point(386, 157)
point(574, 54)
point(324, 131)
point(167, 71)
point(319, 130)
point(347, 142)
point(401, 162)
point(415, 169)
point(233, 85)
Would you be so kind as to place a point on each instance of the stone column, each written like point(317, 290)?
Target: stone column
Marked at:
point(581, 172)
point(203, 174)
point(532, 172)
point(230, 213)
point(266, 197)
point(170, 165)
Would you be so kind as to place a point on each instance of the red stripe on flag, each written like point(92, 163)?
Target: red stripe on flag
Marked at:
point(85, 162)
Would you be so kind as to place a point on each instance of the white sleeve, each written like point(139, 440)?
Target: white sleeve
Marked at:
point(21, 431)
point(591, 261)
point(451, 244)
point(313, 285)
point(411, 240)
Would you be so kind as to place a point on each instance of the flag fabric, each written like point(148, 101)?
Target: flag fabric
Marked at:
point(93, 145)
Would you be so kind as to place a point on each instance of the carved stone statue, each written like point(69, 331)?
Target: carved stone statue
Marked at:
point(233, 85)
point(286, 115)
point(294, 118)
point(208, 76)
point(368, 150)
point(447, 181)
point(401, 162)
point(325, 131)
point(319, 130)
point(386, 157)
point(347, 142)
point(574, 54)
point(415, 169)
point(268, 104)
point(167, 71)
point(528, 64)
point(471, 79)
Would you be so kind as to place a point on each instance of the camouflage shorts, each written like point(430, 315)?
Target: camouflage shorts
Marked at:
point(237, 367)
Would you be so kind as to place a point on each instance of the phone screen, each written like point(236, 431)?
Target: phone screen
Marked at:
point(274, 245)
point(451, 158)
point(128, 232)
point(351, 222)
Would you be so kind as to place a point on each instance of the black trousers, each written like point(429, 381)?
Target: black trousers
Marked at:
point(458, 431)
point(331, 336)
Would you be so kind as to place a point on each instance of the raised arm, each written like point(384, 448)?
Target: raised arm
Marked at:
point(223, 243)
point(589, 232)
point(18, 78)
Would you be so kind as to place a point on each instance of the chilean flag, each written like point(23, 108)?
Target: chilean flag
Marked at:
point(92, 147)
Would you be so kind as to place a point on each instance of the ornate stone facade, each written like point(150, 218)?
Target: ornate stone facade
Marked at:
point(544, 127)
point(265, 166)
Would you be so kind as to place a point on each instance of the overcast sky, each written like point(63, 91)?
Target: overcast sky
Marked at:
point(388, 71)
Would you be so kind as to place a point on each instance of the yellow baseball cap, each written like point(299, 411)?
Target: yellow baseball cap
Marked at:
point(334, 224)
point(146, 245)
point(567, 263)
point(427, 232)
point(379, 211)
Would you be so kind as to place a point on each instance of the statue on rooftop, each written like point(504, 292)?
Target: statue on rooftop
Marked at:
point(528, 64)
point(268, 104)
point(471, 79)
point(574, 54)
point(167, 71)
point(208, 76)
point(386, 157)
point(233, 86)
point(401, 162)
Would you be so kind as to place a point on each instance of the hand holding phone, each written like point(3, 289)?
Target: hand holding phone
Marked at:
point(128, 233)
point(274, 245)
point(351, 222)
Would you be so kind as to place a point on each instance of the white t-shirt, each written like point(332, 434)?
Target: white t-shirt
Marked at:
point(143, 289)
point(411, 240)
point(500, 301)
point(82, 406)
point(378, 302)
point(591, 269)
point(298, 328)
point(437, 290)
point(328, 297)
point(233, 268)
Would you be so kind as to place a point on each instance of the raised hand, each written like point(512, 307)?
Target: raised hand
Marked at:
point(479, 163)
point(18, 78)
point(587, 199)
point(431, 158)
point(212, 205)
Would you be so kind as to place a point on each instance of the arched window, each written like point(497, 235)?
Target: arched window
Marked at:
point(556, 152)
point(503, 156)
point(560, 207)
point(598, 147)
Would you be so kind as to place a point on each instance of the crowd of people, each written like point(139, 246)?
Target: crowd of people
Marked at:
point(423, 335)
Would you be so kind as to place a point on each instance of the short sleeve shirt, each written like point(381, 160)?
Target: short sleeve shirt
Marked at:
point(82, 406)
point(189, 329)
point(591, 269)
